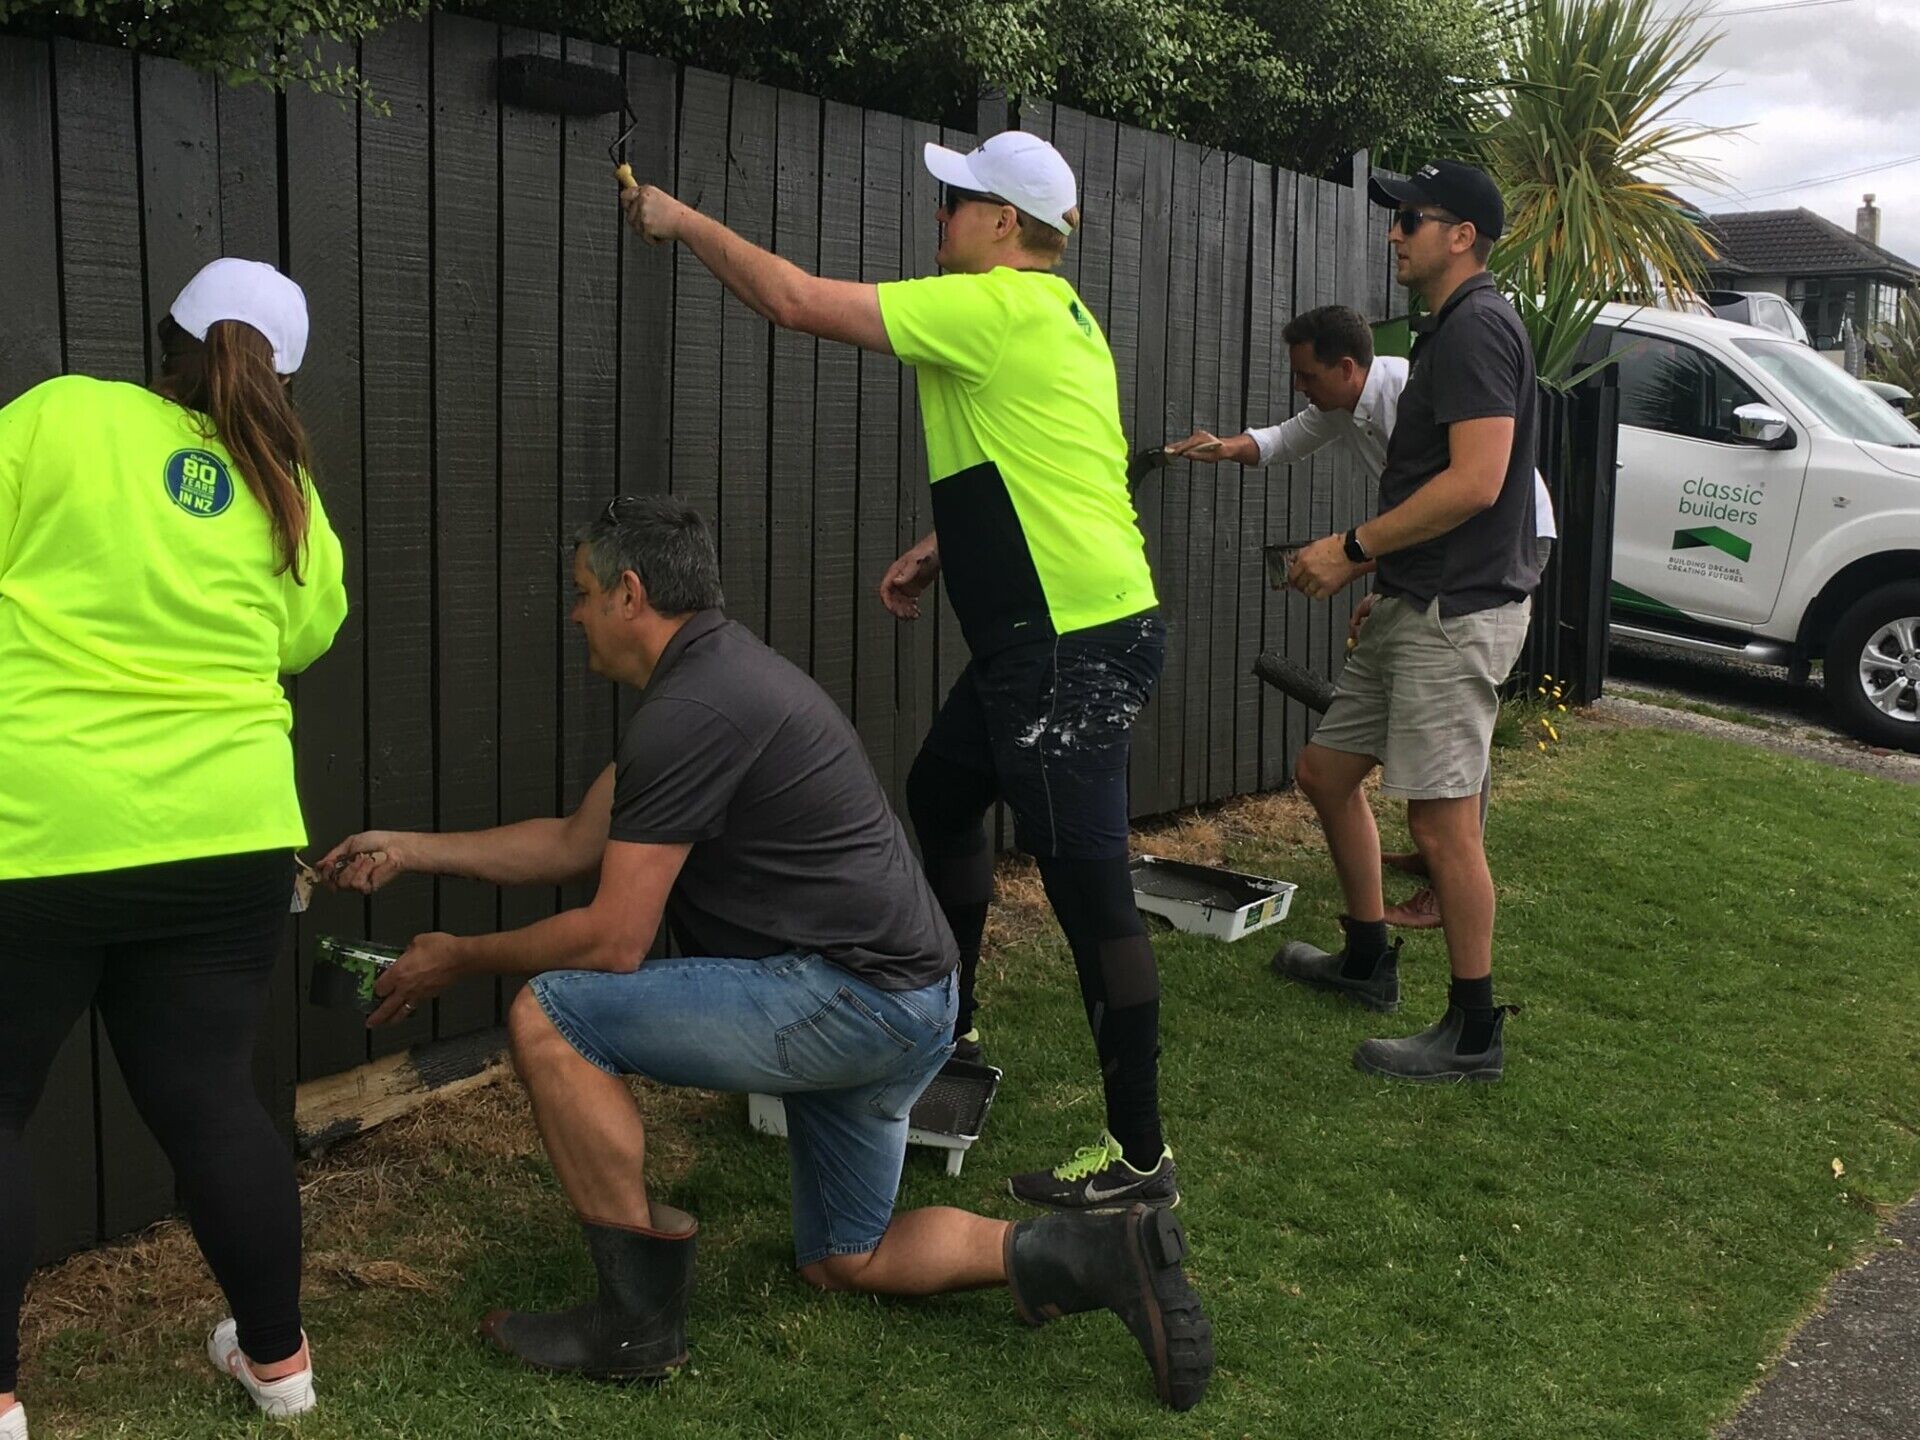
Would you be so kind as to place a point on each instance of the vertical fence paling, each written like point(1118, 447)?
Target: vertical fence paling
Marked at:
point(492, 357)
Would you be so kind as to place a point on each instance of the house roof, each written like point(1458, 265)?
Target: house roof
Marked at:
point(1798, 242)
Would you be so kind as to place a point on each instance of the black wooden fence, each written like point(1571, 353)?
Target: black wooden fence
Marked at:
point(492, 357)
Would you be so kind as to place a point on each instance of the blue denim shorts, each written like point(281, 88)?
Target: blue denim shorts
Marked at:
point(848, 1060)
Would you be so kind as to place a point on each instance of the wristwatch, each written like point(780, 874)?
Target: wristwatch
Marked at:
point(1354, 552)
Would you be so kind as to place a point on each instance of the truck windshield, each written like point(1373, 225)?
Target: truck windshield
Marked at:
point(1843, 405)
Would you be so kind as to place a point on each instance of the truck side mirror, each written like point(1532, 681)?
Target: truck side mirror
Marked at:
point(1764, 426)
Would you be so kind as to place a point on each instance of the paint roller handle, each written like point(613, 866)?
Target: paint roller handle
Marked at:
point(623, 172)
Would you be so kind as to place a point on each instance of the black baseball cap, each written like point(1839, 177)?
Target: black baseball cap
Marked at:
point(1458, 188)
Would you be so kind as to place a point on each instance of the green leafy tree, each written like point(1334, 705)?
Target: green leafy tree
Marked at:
point(276, 41)
point(1302, 83)
point(1299, 82)
point(1393, 76)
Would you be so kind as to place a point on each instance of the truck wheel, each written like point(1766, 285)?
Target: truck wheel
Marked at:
point(1873, 667)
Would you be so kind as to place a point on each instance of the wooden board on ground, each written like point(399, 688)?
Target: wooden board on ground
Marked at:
point(338, 1107)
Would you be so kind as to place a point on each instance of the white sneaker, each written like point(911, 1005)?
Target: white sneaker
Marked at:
point(292, 1395)
point(13, 1424)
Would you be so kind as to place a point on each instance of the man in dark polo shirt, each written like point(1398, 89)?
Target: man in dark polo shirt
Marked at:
point(1455, 569)
point(814, 964)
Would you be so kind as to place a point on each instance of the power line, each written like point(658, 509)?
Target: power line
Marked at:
point(1770, 9)
point(1829, 179)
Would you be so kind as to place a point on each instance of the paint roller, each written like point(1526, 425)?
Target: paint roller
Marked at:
point(567, 87)
point(1311, 689)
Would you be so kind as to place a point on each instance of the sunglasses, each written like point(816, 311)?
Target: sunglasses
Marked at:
point(956, 196)
point(1408, 220)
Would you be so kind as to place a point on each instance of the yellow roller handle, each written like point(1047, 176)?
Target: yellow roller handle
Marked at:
point(624, 174)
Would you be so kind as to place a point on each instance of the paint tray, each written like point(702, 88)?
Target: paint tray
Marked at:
point(950, 1114)
point(1206, 900)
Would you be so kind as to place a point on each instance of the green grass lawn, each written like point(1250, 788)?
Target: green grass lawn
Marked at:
point(1713, 946)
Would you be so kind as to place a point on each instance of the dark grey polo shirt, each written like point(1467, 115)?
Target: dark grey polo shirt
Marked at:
point(794, 846)
point(1470, 361)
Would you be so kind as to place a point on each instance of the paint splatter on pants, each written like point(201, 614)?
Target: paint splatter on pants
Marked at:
point(1047, 728)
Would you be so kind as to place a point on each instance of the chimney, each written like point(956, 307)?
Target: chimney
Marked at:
point(1866, 221)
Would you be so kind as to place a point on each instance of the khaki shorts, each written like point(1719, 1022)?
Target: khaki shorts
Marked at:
point(1421, 692)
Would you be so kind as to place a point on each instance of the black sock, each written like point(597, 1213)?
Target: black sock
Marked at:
point(1366, 943)
point(1475, 998)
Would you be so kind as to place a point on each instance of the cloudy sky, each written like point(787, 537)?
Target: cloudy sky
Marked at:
point(1824, 88)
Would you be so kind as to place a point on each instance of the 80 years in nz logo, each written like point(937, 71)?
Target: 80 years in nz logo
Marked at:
point(198, 482)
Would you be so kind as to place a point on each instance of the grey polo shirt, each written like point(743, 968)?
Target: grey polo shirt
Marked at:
point(794, 847)
point(1470, 361)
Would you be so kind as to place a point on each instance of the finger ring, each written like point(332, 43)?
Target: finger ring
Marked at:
point(407, 1006)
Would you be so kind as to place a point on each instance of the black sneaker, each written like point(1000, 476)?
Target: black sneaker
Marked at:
point(1310, 965)
point(1434, 1057)
point(967, 1047)
point(1097, 1179)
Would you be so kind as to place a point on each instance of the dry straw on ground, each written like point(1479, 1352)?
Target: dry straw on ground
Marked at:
point(371, 1221)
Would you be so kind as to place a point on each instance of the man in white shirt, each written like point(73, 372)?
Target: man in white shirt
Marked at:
point(1352, 399)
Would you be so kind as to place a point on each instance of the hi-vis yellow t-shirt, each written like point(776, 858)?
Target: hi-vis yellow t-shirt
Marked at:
point(142, 635)
point(1029, 466)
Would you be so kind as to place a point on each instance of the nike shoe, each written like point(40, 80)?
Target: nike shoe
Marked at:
point(1098, 1178)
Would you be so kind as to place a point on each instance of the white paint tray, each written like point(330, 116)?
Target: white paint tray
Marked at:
point(1206, 900)
point(949, 1115)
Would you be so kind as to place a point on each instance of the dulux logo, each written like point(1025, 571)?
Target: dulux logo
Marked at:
point(198, 483)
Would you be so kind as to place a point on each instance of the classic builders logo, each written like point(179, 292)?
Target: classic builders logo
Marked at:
point(1710, 500)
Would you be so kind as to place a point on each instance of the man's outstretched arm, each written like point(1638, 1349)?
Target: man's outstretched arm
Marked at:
point(776, 288)
point(529, 852)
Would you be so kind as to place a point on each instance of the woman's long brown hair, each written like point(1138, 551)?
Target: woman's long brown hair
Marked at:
point(229, 378)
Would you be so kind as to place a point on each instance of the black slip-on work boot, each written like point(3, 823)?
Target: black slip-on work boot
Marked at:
point(635, 1328)
point(1434, 1056)
point(1379, 989)
point(1128, 1263)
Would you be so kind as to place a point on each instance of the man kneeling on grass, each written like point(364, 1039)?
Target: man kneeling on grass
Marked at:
point(742, 810)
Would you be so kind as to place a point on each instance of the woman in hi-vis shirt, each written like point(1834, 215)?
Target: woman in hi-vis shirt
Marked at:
point(164, 558)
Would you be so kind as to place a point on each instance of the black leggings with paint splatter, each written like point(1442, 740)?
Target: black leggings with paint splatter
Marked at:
point(1046, 728)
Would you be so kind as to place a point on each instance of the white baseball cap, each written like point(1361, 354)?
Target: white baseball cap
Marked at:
point(254, 293)
point(1022, 169)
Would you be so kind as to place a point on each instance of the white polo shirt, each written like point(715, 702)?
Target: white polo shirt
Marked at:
point(1363, 432)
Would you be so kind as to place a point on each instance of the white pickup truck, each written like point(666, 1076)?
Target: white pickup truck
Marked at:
point(1768, 506)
